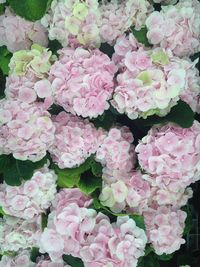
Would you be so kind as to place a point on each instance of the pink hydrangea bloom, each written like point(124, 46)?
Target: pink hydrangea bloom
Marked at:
point(80, 231)
point(171, 155)
point(132, 191)
point(118, 16)
point(152, 81)
point(111, 245)
point(89, 23)
point(68, 196)
point(75, 140)
point(73, 21)
point(26, 130)
point(166, 197)
point(83, 81)
point(66, 231)
point(17, 33)
point(20, 260)
point(122, 190)
point(27, 80)
point(16, 234)
point(124, 44)
point(68, 224)
point(32, 197)
point(176, 27)
point(164, 228)
point(116, 152)
point(49, 263)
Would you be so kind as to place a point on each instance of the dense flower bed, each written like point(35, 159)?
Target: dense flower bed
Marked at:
point(99, 131)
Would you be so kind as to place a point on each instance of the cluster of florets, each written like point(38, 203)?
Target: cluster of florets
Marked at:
point(152, 81)
point(22, 259)
point(176, 27)
point(75, 140)
point(17, 33)
point(26, 130)
point(81, 232)
point(89, 23)
point(164, 227)
point(27, 80)
point(170, 155)
point(17, 234)
point(116, 152)
point(83, 81)
point(132, 191)
point(32, 197)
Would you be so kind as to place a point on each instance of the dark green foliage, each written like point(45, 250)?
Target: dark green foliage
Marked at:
point(15, 171)
point(30, 9)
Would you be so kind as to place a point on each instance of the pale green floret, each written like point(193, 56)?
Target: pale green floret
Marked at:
point(39, 59)
point(160, 57)
point(80, 11)
point(145, 77)
point(72, 25)
point(106, 197)
point(19, 62)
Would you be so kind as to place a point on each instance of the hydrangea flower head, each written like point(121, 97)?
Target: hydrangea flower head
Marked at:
point(152, 81)
point(26, 130)
point(116, 152)
point(17, 33)
point(89, 23)
point(176, 27)
point(165, 228)
point(32, 198)
point(170, 154)
point(17, 234)
point(28, 75)
point(83, 81)
point(75, 140)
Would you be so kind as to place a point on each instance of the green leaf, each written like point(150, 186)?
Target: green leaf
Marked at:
point(30, 9)
point(139, 220)
point(2, 9)
point(34, 254)
point(148, 250)
point(70, 177)
point(148, 261)
point(39, 164)
point(54, 46)
point(188, 221)
point(106, 120)
point(12, 177)
point(72, 261)
point(44, 221)
point(96, 168)
point(88, 183)
point(2, 211)
point(24, 169)
point(5, 162)
point(141, 36)
point(67, 179)
point(5, 57)
point(14, 171)
point(180, 114)
point(165, 257)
